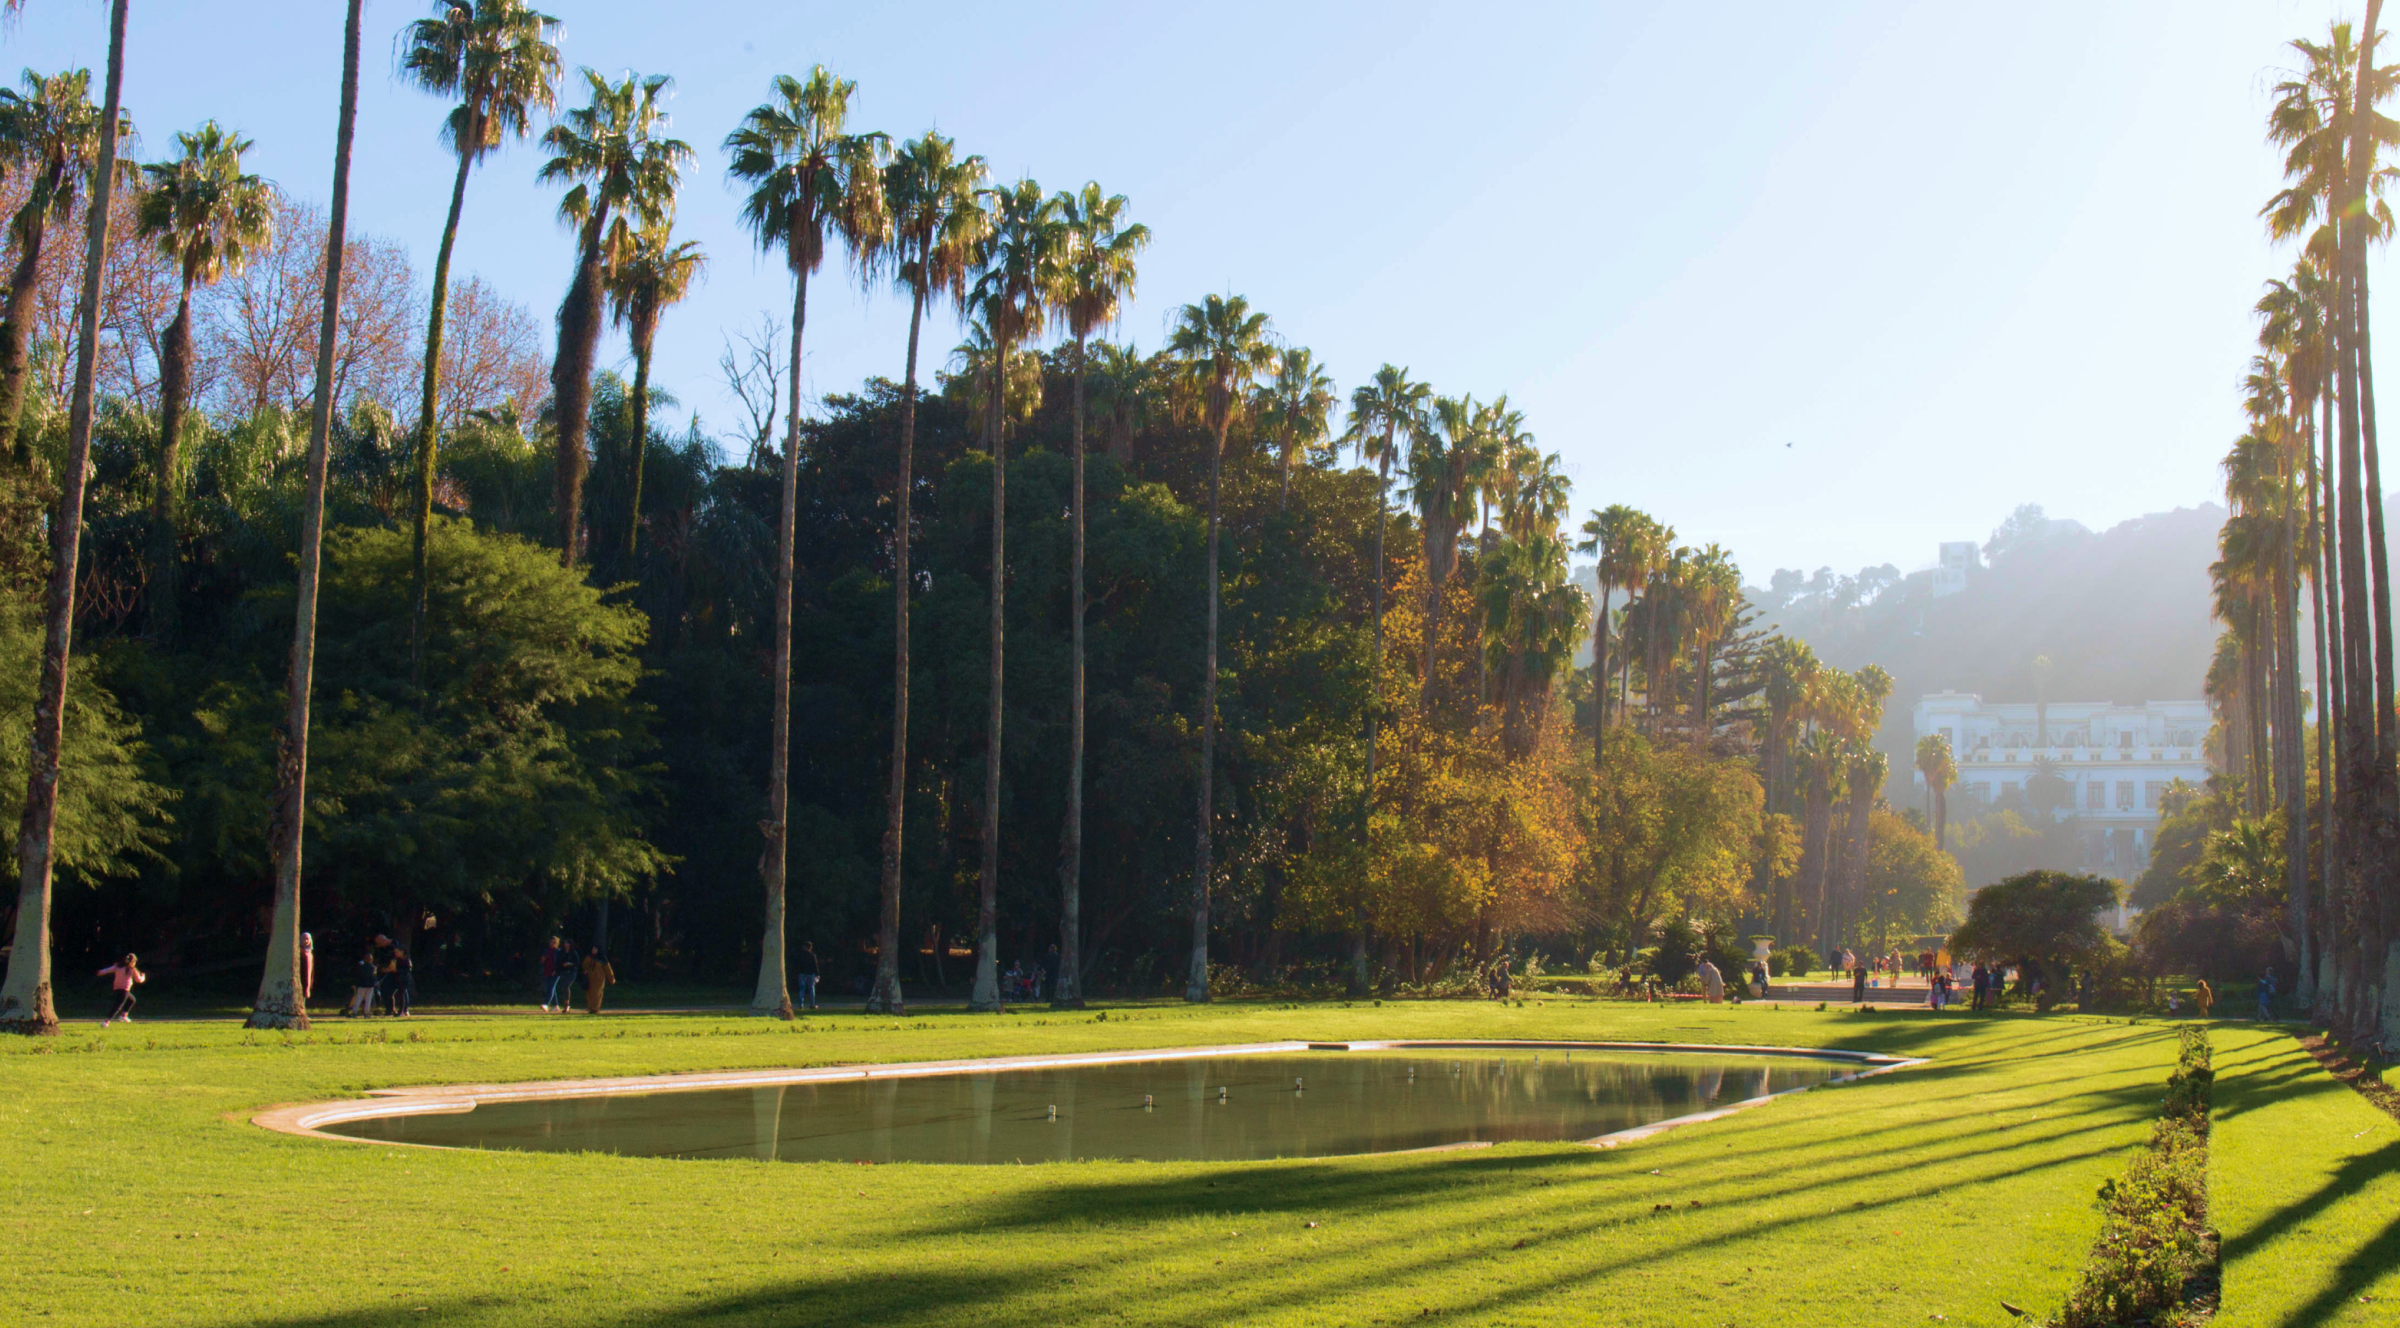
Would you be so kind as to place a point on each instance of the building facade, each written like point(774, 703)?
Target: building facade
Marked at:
point(2117, 762)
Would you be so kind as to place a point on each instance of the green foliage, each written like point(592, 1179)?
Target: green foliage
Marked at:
point(111, 811)
point(1912, 888)
point(1792, 960)
point(2154, 1235)
point(2048, 916)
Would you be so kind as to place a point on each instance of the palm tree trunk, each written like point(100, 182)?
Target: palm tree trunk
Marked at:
point(2304, 984)
point(16, 327)
point(429, 431)
point(643, 339)
point(1941, 819)
point(282, 995)
point(571, 383)
point(1366, 806)
point(174, 388)
point(886, 997)
point(1204, 864)
point(2289, 729)
point(25, 998)
point(1600, 680)
point(2333, 703)
point(986, 995)
point(1067, 986)
point(773, 995)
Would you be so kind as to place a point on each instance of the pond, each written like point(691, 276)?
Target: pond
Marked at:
point(1216, 1108)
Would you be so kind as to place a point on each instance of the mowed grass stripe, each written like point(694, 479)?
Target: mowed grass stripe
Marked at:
point(1940, 1189)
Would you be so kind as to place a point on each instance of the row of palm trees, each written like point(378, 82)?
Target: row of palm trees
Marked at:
point(2303, 483)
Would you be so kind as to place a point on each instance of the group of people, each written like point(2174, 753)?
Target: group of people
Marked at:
point(560, 969)
point(384, 981)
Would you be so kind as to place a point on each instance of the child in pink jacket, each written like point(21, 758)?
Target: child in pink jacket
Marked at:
point(124, 975)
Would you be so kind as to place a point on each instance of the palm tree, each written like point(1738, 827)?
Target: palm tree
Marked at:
point(1821, 766)
point(1532, 617)
point(1014, 294)
point(206, 216)
point(1094, 281)
point(282, 1000)
point(1295, 409)
point(1605, 533)
point(25, 1002)
point(809, 180)
point(497, 61)
point(652, 272)
point(1381, 411)
point(623, 174)
point(1127, 384)
point(1941, 771)
point(1223, 347)
point(937, 223)
point(53, 129)
point(1442, 457)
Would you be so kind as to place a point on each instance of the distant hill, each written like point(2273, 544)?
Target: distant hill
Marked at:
point(2123, 615)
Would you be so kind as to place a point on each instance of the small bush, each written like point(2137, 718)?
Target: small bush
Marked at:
point(2154, 1236)
point(1798, 961)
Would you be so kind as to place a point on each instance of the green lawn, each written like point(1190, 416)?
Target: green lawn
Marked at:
point(142, 1194)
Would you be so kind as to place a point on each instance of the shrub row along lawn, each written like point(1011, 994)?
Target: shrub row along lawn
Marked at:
point(140, 1192)
point(2304, 1181)
point(2154, 1249)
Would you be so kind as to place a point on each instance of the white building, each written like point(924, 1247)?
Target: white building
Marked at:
point(1950, 573)
point(2119, 760)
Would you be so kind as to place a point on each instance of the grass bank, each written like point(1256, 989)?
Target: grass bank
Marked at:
point(143, 1195)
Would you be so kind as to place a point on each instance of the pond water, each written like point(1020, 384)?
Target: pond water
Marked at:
point(1219, 1109)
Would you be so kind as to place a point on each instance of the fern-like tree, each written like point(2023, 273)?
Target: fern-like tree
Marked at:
point(650, 274)
point(811, 181)
point(937, 226)
point(1223, 348)
point(282, 1000)
point(622, 172)
point(1095, 278)
point(206, 215)
point(1295, 408)
point(51, 133)
point(497, 62)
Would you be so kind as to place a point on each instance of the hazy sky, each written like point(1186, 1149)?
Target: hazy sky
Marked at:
point(1825, 283)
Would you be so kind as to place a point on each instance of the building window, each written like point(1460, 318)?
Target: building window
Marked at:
point(2124, 795)
point(2125, 739)
point(2095, 795)
point(2152, 791)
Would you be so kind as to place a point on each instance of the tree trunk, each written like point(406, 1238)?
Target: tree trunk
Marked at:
point(986, 995)
point(1204, 864)
point(1066, 990)
point(2288, 722)
point(16, 327)
point(1366, 804)
point(2333, 707)
point(25, 998)
point(174, 387)
point(886, 997)
point(645, 333)
point(774, 993)
point(282, 994)
point(1600, 681)
point(2304, 984)
point(429, 431)
point(1941, 818)
point(571, 383)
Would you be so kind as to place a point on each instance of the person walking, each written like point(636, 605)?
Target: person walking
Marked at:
point(1982, 979)
point(404, 983)
point(1712, 982)
point(2266, 994)
point(804, 975)
point(2204, 998)
point(553, 968)
point(596, 977)
point(1858, 984)
point(123, 976)
point(308, 967)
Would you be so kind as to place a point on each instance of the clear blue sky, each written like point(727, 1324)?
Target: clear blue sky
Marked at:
point(1956, 257)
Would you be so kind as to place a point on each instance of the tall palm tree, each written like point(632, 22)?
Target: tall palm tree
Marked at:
point(52, 130)
point(1383, 411)
point(1296, 409)
point(1127, 384)
point(1015, 294)
point(497, 61)
point(810, 180)
point(1935, 762)
point(937, 224)
point(206, 215)
point(1442, 458)
point(1713, 597)
point(1094, 280)
point(623, 172)
point(1224, 347)
point(1821, 766)
point(25, 999)
point(1532, 617)
point(653, 271)
point(1605, 534)
point(282, 1000)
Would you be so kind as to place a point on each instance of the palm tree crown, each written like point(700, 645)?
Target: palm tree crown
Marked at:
point(621, 168)
point(205, 213)
point(1297, 409)
point(497, 59)
point(809, 176)
point(936, 220)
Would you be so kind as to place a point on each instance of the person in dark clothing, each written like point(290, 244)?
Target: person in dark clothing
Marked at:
point(1983, 985)
point(404, 983)
point(1858, 985)
point(804, 974)
point(362, 986)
